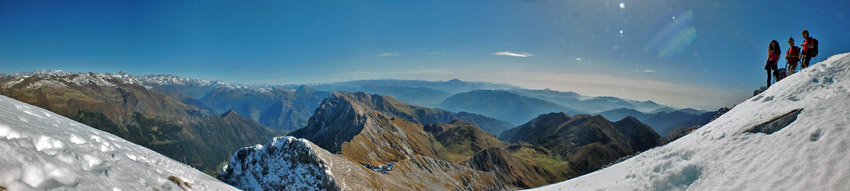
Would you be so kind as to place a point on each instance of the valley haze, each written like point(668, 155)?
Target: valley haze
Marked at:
point(671, 94)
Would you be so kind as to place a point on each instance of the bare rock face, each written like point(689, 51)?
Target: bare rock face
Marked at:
point(334, 122)
point(344, 124)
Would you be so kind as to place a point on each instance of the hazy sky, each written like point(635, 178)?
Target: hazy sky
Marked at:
point(703, 54)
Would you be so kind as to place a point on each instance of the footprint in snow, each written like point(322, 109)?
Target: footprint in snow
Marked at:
point(815, 136)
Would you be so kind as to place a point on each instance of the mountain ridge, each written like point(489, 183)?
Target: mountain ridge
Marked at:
point(587, 142)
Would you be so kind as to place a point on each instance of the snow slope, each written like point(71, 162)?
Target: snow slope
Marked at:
point(45, 151)
point(812, 153)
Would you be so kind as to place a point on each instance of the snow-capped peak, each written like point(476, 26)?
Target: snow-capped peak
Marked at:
point(110, 79)
point(810, 153)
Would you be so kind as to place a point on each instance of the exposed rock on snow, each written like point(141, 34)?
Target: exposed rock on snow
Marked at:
point(777, 123)
point(45, 151)
point(810, 153)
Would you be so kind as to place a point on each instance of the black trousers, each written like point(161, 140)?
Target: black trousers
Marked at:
point(770, 67)
point(805, 59)
point(769, 73)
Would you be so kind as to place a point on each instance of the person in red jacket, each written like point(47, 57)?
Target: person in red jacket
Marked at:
point(792, 56)
point(773, 52)
point(808, 45)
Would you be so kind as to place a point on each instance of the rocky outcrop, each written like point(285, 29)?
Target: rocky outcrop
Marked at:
point(353, 128)
point(376, 130)
point(364, 135)
point(285, 163)
point(289, 163)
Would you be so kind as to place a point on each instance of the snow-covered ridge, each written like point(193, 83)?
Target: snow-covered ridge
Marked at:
point(285, 163)
point(45, 151)
point(810, 153)
point(109, 79)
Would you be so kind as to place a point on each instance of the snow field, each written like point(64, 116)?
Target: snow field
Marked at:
point(809, 154)
point(45, 151)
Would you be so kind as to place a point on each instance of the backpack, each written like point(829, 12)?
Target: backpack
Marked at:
point(780, 74)
point(814, 47)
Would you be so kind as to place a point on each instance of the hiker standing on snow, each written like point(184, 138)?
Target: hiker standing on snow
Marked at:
point(773, 52)
point(810, 49)
point(792, 56)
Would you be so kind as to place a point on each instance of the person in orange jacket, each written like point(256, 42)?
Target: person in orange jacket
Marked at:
point(792, 56)
point(810, 49)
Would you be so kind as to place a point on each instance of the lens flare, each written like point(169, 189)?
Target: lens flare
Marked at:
point(678, 43)
point(675, 37)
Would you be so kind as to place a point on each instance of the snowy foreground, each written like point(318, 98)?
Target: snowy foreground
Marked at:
point(812, 153)
point(42, 150)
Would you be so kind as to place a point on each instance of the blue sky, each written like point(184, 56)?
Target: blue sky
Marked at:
point(703, 54)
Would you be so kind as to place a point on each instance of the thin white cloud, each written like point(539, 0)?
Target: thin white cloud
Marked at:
point(388, 54)
point(440, 52)
point(648, 71)
point(514, 54)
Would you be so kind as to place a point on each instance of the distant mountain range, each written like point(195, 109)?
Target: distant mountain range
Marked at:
point(277, 108)
point(664, 122)
point(395, 150)
point(587, 104)
point(417, 92)
point(502, 104)
point(452, 86)
point(287, 107)
point(197, 121)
